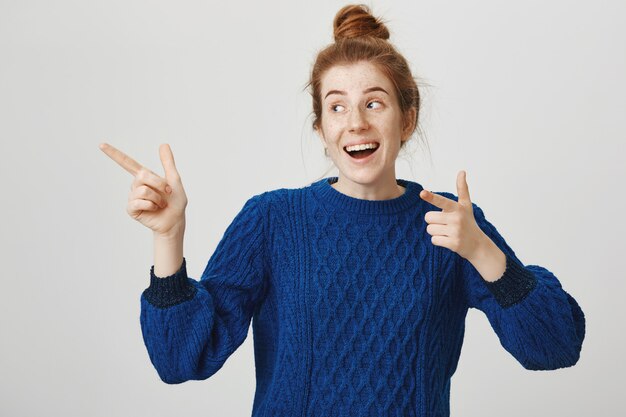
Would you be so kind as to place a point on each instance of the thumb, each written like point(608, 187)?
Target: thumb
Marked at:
point(167, 160)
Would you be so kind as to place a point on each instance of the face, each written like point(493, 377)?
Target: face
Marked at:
point(360, 106)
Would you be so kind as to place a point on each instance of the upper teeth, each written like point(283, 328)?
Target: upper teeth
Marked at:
point(361, 147)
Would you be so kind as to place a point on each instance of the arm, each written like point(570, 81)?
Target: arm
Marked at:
point(191, 327)
point(539, 323)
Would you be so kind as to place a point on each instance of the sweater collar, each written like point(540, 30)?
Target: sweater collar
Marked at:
point(342, 202)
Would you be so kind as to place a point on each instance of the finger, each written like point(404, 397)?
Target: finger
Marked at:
point(436, 217)
point(167, 159)
point(146, 193)
point(440, 201)
point(135, 207)
point(443, 241)
point(437, 230)
point(125, 161)
point(462, 189)
point(147, 177)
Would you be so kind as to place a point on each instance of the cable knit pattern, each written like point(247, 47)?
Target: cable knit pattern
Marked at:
point(354, 311)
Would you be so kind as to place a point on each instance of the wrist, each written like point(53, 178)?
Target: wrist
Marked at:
point(483, 248)
point(175, 234)
point(489, 260)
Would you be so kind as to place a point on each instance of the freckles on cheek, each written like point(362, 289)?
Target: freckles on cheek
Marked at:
point(331, 130)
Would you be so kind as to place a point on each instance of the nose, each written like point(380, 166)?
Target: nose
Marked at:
point(357, 121)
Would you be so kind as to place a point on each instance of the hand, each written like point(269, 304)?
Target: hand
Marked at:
point(454, 227)
point(157, 203)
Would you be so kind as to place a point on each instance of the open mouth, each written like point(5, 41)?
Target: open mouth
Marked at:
point(362, 151)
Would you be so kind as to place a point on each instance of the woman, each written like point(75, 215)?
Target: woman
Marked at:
point(359, 284)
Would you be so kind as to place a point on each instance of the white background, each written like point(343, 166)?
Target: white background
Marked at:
point(528, 97)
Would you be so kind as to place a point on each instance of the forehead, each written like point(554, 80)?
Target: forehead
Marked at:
point(354, 78)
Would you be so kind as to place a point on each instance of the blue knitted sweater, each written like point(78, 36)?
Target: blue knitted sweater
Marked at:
point(356, 312)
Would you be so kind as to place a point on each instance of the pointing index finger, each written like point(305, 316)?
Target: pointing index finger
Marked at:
point(123, 160)
point(440, 201)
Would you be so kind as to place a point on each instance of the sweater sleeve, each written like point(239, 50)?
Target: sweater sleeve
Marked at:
point(536, 320)
point(191, 327)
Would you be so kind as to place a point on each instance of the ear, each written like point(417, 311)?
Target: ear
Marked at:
point(410, 119)
point(320, 134)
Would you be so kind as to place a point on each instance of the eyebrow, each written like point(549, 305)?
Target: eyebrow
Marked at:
point(367, 90)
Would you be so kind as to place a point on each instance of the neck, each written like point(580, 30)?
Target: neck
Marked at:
point(386, 189)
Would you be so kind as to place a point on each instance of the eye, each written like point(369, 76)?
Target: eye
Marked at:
point(336, 108)
point(375, 104)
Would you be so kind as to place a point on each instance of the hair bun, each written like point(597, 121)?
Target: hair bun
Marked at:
point(355, 20)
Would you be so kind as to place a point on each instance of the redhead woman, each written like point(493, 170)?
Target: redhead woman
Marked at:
point(357, 286)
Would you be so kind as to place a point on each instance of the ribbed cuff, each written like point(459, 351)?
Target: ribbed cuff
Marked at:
point(171, 290)
point(514, 285)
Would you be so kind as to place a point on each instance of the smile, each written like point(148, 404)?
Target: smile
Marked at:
point(361, 151)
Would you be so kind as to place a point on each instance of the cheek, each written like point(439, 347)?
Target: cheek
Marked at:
point(394, 128)
point(330, 128)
